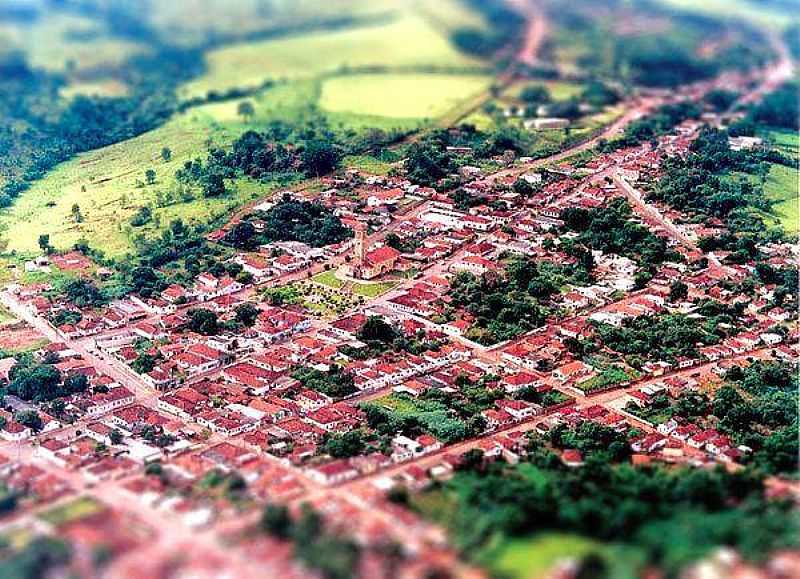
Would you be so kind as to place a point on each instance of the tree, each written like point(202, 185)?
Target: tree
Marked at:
point(75, 383)
point(535, 94)
point(142, 216)
point(319, 157)
point(247, 314)
point(242, 236)
point(678, 291)
point(166, 154)
point(115, 436)
point(276, 521)
point(214, 185)
point(203, 321)
point(29, 418)
point(76, 213)
point(150, 176)
point(376, 329)
point(246, 110)
point(345, 445)
point(44, 243)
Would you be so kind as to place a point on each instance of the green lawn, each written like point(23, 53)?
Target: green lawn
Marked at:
point(72, 511)
point(414, 96)
point(406, 40)
point(781, 187)
point(786, 141)
point(368, 164)
point(397, 403)
point(372, 290)
point(328, 278)
point(559, 90)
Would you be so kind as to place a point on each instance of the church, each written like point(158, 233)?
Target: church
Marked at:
point(372, 264)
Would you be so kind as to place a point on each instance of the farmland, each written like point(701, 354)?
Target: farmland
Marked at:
point(404, 40)
point(399, 95)
point(781, 187)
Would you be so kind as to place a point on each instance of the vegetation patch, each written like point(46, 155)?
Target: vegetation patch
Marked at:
point(72, 511)
point(414, 96)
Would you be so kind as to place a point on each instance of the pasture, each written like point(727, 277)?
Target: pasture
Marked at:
point(414, 96)
point(781, 187)
point(103, 183)
point(402, 40)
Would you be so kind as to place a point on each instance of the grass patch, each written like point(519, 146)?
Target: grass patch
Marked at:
point(72, 511)
point(328, 278)
point(372, 290)
point(57, 41)
point(397, 404)
point(368, 164)
point(608, 377)
point(781, 187)
point(415, 96)
point(5, 315)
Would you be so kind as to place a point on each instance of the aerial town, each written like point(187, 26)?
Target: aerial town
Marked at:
point(374, 371)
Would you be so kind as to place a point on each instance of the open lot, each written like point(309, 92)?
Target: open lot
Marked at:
point(19, 337)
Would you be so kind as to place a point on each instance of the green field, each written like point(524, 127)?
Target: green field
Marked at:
point(399, 95)
point(6, 316)
point(252, 16)
point(405, 40)
point(786, 141)
point(80, 47)
point(328, 278)
point(782, 187)
point(559, 90)
point(372, 290)
point(58, 41)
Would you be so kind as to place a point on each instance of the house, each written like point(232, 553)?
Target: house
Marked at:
point(571, 457)
point(572, 371)
point(496, 418)
point(333, 473)
point(518, 409)
point(174, 294)
point(255, 265)
point(14, 431)
point(521, 380)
